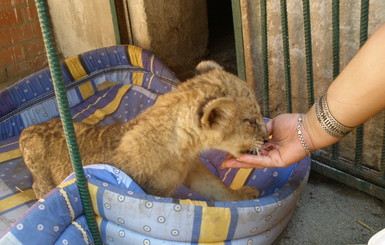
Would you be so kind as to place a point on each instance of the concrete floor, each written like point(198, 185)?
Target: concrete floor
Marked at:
point(331, 213)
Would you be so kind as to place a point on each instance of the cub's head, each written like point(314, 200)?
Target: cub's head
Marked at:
point(229, 115)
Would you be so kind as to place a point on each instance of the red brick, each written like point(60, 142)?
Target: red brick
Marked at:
point(11, 55)
point(7, 82)
point(29, 12)
point(12, 3)
point(20, 33)
point(27, 67)
point(38, 63)
point(3, 75)
point(10, 17)
point(34, 48)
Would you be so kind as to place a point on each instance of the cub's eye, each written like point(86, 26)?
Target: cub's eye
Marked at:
point(251, 121)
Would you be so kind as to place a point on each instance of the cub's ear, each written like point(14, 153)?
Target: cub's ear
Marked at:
point(219, 114)
point(206, 66)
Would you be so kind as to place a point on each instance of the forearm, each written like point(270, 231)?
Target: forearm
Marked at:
point(357, 94)
point(315, 136)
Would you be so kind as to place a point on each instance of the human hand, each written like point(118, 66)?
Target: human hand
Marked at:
point(282, 150)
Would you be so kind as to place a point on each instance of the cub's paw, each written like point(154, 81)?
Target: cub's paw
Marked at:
point(247, 193)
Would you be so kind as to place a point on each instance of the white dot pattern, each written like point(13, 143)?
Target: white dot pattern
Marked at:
point(153, 216)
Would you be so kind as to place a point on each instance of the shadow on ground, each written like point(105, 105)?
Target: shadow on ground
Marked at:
point(329, 212)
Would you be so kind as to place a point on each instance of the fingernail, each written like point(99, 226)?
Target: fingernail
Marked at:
point(239, 158)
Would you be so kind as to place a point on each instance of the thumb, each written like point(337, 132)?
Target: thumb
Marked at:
point(269, 126)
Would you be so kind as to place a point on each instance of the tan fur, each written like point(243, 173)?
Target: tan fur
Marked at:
point(160, 148)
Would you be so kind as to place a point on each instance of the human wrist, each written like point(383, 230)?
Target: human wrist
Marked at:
point(314, 135)
point(300, 133)
point(327, 121)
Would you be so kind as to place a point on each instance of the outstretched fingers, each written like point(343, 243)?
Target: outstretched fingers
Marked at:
point(272, 160)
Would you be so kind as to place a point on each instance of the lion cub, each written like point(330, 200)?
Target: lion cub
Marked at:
point(160, 148)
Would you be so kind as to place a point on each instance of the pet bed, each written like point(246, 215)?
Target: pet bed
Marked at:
point(110, 85)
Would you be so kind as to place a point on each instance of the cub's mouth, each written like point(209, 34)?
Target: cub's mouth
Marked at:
point(251, 152)
point(256, 149)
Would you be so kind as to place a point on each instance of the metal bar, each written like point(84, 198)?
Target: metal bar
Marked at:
point(363, 38)
point(115, 22)
point(332, 165)
point(309, 53)
point(349, 180)
point(382, 165)
point(64, 111)
point(286, 55)
point(364, 21)
point(128, 22)
point(265, 57)
point(336, 55)
point(238, 35)
point(345, 165)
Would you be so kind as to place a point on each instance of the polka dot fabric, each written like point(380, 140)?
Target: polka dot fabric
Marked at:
point(32, 101)
point(125, 213)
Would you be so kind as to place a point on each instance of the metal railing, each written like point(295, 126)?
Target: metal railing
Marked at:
point(353, 172)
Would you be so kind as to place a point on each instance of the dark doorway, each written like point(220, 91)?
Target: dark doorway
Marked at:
point(221, 34)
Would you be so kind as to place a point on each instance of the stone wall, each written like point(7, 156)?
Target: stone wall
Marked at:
point(321, 31)
point(176, 31)
point(81, 26)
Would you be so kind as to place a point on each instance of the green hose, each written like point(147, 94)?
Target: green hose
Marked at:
point(309, 53)
point(286, 55)
point(63, 105)
point(336, 56)
point(382, 166)
point(265, 57)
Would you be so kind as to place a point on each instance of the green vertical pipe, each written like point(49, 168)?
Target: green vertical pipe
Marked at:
point(265, 57)
point(309, 55)
point(286, 55)
point(115, 22)
point(382, 166)
point(63, 105)
point(363, 38)
point(238, 36)
point(364, 21)
point(336, 54)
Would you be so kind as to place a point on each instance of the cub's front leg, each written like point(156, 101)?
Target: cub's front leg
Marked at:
point(203, 182)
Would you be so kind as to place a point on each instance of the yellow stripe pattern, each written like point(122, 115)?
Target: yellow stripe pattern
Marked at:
point(76, 68)
point(17, 199)
point(192, 202)
point(106, 84)
point(137, 78)
point(135, 54)
point(67, 183)
point(9, 155)
point(215, 224)
point(93, 189)
point(108, 109)
point(99, 220)
point(240, 178)
point(86, 90)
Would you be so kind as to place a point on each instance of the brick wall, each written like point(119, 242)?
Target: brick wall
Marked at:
point(21, 44)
